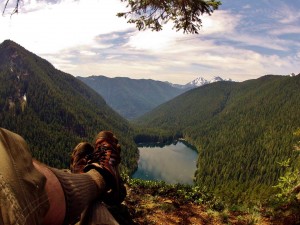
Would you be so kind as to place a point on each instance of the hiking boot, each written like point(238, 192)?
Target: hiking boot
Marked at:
point(106, 159)
point(80, 157)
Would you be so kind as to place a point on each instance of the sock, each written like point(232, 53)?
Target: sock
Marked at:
point(80, 190)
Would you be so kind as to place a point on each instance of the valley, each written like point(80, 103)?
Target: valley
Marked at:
point(245, 132)
point(132, 98)
point(241, 130)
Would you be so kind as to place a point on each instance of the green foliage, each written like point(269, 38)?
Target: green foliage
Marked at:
point(58, 112)
point(153, 136)
point(153, 14)
point(285, 186)
point(285, 194)
point(181, 192)
point(284, 204)
point(240, 131)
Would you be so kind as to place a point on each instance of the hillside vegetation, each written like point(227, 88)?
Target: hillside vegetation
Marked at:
point(153, 202)
point(241, 130)
point(53, 110)
point(131, 97)
point(247, 135)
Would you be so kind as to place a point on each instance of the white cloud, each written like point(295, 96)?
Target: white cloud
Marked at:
point(152, 40)
point(286, 30)
point(288, 15)
point(49, 28)
point(86, 38)
point(221, 22)
point(248, 6)
point(182, 62)
point(87, 53)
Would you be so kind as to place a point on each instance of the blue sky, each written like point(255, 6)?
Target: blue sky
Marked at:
point(242, 40)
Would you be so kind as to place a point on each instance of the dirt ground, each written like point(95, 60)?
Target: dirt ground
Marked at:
point(143, 208)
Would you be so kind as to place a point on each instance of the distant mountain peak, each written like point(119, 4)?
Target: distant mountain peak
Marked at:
point(9, 42)
point(200, 81)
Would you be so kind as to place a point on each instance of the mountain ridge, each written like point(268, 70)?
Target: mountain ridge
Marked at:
point(53, 110)
point(131, 97)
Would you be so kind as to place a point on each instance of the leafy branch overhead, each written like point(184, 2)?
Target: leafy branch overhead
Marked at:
point(16, 9)
point(153, 14)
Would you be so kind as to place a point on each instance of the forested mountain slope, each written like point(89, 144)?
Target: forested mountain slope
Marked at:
point(242, 130)
point(53, 110)
point(132, 97)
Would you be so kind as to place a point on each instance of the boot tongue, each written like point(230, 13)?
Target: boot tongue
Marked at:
point(107, 135)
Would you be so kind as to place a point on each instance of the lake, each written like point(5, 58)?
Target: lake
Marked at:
point(175, 163)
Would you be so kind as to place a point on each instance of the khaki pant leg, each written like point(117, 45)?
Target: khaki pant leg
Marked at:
point(97, 214)
point(23, 200)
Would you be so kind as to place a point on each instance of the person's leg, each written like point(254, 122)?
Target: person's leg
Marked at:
point(96, 213)
point(32, 193)
point(105, 158)
point(55, 195)
point(108, 150)
point(22, 187)
point(25, 189)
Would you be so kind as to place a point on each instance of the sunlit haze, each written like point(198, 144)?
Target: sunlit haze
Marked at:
point(242, 40)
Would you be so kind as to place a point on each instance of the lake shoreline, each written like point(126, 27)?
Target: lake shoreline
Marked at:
point(173, 163)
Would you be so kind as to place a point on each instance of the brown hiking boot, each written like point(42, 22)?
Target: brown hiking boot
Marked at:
point(106, 159)
point(80, 157)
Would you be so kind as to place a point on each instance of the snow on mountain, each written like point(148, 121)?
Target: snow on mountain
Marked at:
point(200, 81)
point(197, 82)
point(216, 79)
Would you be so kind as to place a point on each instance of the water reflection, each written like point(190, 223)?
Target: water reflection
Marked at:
point(174, 163)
